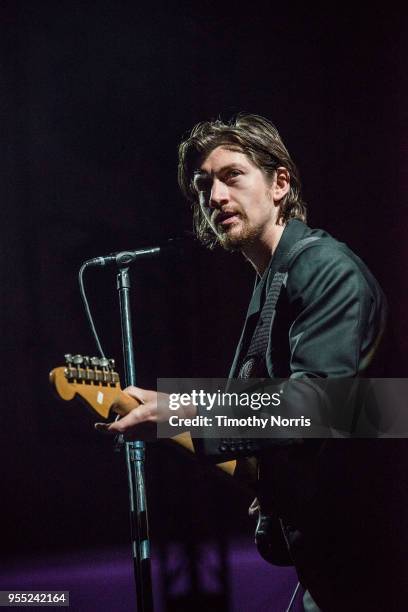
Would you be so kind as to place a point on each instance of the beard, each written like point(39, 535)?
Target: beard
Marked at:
point(237, 238)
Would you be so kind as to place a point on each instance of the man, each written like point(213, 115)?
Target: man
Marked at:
point(319, 501)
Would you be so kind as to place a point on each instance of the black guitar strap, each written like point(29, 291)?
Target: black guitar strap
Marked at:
point(254, 363)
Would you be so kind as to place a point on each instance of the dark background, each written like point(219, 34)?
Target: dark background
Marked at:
point(94, 100)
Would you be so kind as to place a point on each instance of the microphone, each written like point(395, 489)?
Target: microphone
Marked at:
point(123, 258)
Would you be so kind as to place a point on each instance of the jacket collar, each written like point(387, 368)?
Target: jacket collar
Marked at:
point(294, 230)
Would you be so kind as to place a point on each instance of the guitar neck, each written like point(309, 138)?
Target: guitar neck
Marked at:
point(100, 389)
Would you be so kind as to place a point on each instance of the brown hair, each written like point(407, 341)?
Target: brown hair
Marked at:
point(255, 136)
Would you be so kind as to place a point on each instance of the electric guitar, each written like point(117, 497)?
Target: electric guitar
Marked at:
point(95, 380)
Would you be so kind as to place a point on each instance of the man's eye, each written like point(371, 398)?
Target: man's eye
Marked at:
point(231, 174)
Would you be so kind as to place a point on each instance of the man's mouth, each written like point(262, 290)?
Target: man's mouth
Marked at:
point(226, 218)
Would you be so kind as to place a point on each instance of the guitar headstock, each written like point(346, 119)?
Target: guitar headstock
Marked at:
point(90, 369)
point(92, 378)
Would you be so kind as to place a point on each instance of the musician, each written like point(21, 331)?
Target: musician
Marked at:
point(320, 503)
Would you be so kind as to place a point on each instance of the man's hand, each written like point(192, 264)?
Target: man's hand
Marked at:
point(140, 423)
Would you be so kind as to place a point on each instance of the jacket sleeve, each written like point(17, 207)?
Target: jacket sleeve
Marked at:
point(333, 306)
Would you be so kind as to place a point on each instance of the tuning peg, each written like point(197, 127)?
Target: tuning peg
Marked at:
point(112, 364)
point(68, 359)
point(95, 361)
point(103, 362)
point(86, 361)
point(77, 359)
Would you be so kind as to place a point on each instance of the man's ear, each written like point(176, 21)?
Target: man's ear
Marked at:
point(281, 184)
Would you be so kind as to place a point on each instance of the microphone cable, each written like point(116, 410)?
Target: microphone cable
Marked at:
point(87, 308)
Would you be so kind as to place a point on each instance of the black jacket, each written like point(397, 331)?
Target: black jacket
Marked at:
point(334, 498)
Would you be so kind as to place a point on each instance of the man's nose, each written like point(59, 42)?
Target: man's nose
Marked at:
point(219, 194)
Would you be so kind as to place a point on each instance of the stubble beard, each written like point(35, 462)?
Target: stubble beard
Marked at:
point(237, 241)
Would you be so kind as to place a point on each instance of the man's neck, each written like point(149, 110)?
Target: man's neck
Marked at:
point(259, 252)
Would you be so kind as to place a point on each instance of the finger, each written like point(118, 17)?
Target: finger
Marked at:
point(124, 424)
point(112, 428)
point(143, 395)
point(254, 507)
point(103, 428)
point(144, 431)
point(142, 414)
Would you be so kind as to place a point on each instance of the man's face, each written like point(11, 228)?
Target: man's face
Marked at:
point(236, 198)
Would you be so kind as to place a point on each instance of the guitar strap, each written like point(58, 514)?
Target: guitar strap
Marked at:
point(268, 533)
point(254, 363)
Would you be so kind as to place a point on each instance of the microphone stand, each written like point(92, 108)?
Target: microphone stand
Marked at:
point(135, 461)
point(135, 451)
